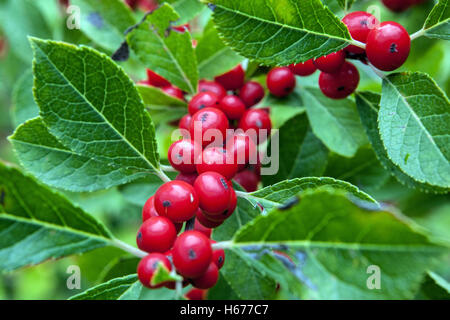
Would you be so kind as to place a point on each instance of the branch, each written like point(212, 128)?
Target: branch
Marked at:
point(127, 248)
point(418, 34)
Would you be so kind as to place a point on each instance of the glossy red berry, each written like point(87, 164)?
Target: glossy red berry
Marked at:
point(156, 80)
point(208, 279)
point(218, 160)
point(149, 265)
point(359, 24)
point(209, 125)
point(303, 69)
point(330, 63)
point(233, 79)
point(397, 5)
point(248, 179)
point(198, 226)
point(341, 84)
point(388, 46)
point(243, 149)
point(187, 177)
point(149, 211)
point(185, 124)
point(227, 213)
point(251, 93)
point(192, 254)
point(233, 107)
point(196, 294)
point(281, 81)
point(174, 92)
point(203, 100)
point(183, 27)
point(213, 87)
point(213, 192)
point(176, 200)
point(157, 234)
point(207, 222)
point(257, 120)
point(182, 155)
point(218, 256)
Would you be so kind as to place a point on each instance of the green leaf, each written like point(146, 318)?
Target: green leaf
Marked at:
point(24, 107)
point(437, 24)
point(335, 122)
point(163, 275)
point(434, 287)
point(119, 267)
point(278, 194)
point(414, 124)
point(93, 107)
point(368, 104)
point(280, 32)
point(301, 153)
point(105, 22)
point(283, 109)
point(111, 290)
point(166, 51)
point(38, 224)
point(48, 160)
point(346, 4)
point(187, 9)
point(338, 239)
point(211, 50)
point(153, 96)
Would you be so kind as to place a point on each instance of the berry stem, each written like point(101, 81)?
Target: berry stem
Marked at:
point(127, 248)
point(359, 44)
point(167, 168)
point(417, 34)
point(163, 176)
point(242, 194)
point(222, 245)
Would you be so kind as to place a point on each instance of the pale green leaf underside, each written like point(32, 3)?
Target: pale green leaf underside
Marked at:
point(368, 104)
point(414, 124)
point(437, 24)
point(166, 51)
point(153, 96)
point(187, 9)
point(24, 107)
point(37, 224)
point(278, 194)
point(105, 22)
point(279, 32)
point(48, 160)
point(91, 106)
point(337, 241)
point(214, 57)
point(346, 4)
point(335, 122)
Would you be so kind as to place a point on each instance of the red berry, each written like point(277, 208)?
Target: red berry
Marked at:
point(203, 100)
point(213, 87)
point(185, 124)
point(359, 24)
point(251, 93)
point(330, 63)
point(196, 294)
point(233, 79)
point(257, 120)
point(148, 5)
point(156, 80)
point(209, 125)
point(208, 279)
point(198, 226)
point(176, 200)
point(341, 84)
point(233, 107)
point(182, 155)
point(174, 92)
point(192, 254)
point(149, 209)
point(187, 177)
point(157, 234)
point(148, 266)
point(281, 81)
point(304, 69)
point(243, 148)
point(248, 179)
point(218, 160)
point(397, 5)
point(388, 46)
point(227, 213)
point(206, 221)
point(183, 28)
point(218, 256)
point(213, 192)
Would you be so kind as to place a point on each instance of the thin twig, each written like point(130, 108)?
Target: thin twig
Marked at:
point(417, 34)
point(130, 249)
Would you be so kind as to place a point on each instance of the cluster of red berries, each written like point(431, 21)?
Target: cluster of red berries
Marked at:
point(401, 5)
point(387, 48)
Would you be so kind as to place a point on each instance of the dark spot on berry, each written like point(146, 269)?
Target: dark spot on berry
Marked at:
point(393, 48)
point(364, 22)
point(225, 212)
point(220, 260)
point(224, 183)
point(204, 117)
point(202, 106)
point(289, 204)
point(258, 123)
point(217, 102)
point(203, 90)
point(192, 255)
point(139, 236)
point(166, 203)
point(155, 265)
point(256, 100)
point(288, 89)
point(341, 88)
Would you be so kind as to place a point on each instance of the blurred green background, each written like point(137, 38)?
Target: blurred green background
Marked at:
point(120, 208)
